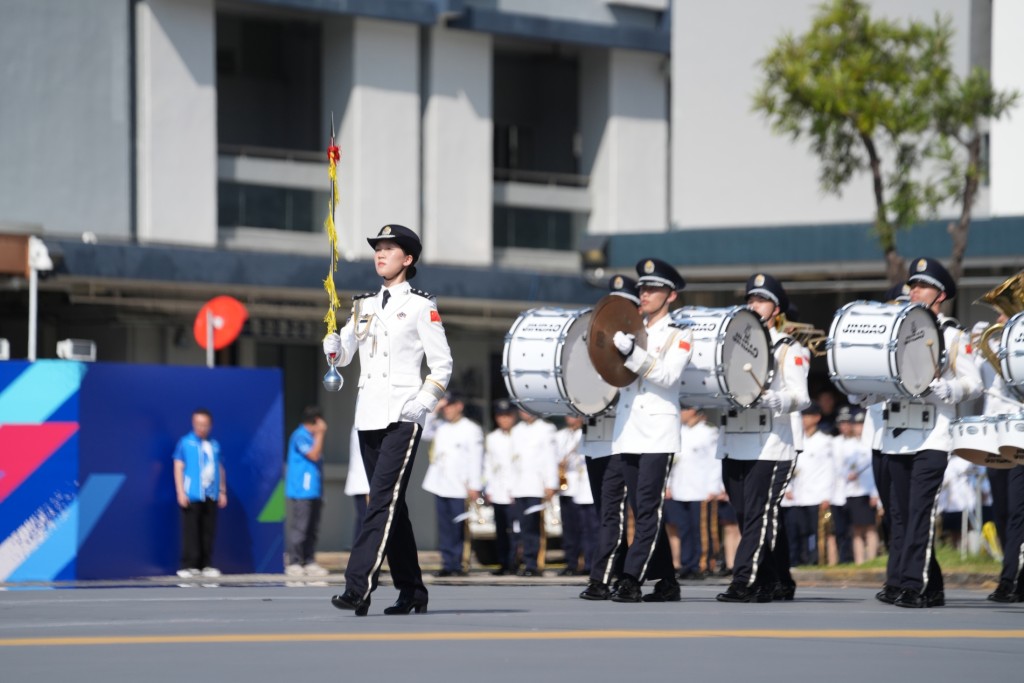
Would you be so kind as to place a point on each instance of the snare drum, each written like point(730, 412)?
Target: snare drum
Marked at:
point(732, 360)
point(1010, 437)
point(1011, 355)
point(546, 366)
point(975, 440)
point(884, 349)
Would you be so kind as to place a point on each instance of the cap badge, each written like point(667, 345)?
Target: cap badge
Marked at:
point(649, 267)
point(617, 282)
point(922, 265)
point(386, 230)
point(759, 281)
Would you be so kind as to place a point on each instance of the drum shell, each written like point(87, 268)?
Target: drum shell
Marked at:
point(865, 354)
point(546, 368)
point(975, 439)
point(1010, 437)
point(1011, 355)
point(713, 380)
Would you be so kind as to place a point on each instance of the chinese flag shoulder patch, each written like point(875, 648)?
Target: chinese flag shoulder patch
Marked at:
point(969, 350)
point(798, 360)
point(435, 317)
point(684, 345)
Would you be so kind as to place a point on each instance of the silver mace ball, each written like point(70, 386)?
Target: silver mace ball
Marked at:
point(333, 379)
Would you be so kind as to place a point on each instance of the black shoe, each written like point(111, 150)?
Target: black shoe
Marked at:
point(501, 571)
point(687, 575)
point(627, 590)
point(666, 590)
point(1004, 593)
point(406, 604)
point(784, 591)
point(529, 573)
point(445, 573)
point(888, 594)
point(913, 599)
point(568, 571)
point(764, 593)
point(596, 590)
point(724, 571)
point(351, 600)
point(737, 593)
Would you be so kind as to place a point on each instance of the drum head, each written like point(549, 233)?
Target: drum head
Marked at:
point(613, 314)
point(587, 392)
point(920, 350)
point(1012, 355)
point(984, 458)
point(746, 361)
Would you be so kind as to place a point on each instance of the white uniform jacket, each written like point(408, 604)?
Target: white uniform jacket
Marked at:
point(790, 382)
point(597, 435)
point(356, 483)
point(647, 414)
point(392, 343)
point(695, 474)
point(855, 458)
point(498, 467)
point(961, 370)
point(814, 479)
point(456, 459)
point(993, 381)
point(568, 441)
point(534, 459)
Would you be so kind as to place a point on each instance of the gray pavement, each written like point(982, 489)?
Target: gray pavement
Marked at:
point(263, 630)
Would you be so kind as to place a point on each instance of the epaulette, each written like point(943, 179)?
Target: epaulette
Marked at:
point(425, 295)
point(680, 326)
point(951, 322)
point(364, 295)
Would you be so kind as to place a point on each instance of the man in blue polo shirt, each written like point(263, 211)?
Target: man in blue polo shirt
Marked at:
point(304, 493)
point(201, 488)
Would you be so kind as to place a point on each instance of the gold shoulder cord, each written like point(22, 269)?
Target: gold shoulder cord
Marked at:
point(360, 336)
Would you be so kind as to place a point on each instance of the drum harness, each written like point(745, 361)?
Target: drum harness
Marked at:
point(901, 415)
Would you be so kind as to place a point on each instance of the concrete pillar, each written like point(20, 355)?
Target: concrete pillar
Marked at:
point(1007, 135)
point(371, 81)
point(177, 121)
point(458, 165)
point(624, 127)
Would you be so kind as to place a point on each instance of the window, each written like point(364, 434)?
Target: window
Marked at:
point(262, 206)
point(537, 229)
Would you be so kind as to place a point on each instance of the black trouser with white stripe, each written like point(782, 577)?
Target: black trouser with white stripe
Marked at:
point(388, 455)
point(635, 479)
point(883, 482)
point(1013, 548)
point(916, 478)
point(755, 489)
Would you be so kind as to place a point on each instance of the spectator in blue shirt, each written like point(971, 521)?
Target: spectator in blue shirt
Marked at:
point(304, 493)
point(201, 488)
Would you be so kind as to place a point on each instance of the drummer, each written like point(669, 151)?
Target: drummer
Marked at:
point(757, 450)
point(646, 431)
point(917, 441)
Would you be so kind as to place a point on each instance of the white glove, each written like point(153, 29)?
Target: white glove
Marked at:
point(946, 391)
point(413, 411)
point(624, 342)
point(772, 400)
point(332, 344)
point(864, 400)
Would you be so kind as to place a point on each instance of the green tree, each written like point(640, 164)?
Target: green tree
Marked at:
point(863, 91)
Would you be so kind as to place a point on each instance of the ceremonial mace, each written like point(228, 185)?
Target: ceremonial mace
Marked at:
point(332, 379)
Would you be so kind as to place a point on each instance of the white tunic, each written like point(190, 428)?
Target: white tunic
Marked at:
point(568, 441)
point(814, 479)
point(534, 454)
point(392, 344)
point(456, 459)
point(696, 475)
point(647, 414)
point(498, 467)
point(356, 483)
point(855, 467)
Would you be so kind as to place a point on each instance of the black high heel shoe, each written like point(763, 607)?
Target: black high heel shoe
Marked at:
point(404, 605)
point(351, 600)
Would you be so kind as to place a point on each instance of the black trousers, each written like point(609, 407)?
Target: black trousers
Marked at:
point(802, 523)
point(529, 530)
point(915, 480)
point(999, 481)
point(450, 535)
point(503, 535)
point(589, 530)
point(302, 529)
point(572, 541)
point(883, 482)
point(755, 489)
point(198, 528)
point(388, 456)
point(1013, 549)
point(359, 501)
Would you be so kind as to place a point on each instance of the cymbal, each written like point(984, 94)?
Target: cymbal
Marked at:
point(613, 314)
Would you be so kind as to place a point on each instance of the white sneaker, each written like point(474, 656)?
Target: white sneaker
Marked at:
point(211, 572)
point(294, 570)
point(188, 573)
point(313, 569)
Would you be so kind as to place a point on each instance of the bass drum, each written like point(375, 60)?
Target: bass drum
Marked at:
point(732, 362)
point(1010, 437)
point(975, 439)
point(884, 349)
point(1011, 355)
point(547, 368)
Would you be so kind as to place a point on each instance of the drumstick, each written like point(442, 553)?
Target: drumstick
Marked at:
point(935, 363)
point(747, 367)
point(996, 394)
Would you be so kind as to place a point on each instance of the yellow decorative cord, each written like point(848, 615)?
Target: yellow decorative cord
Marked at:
point(333, 157)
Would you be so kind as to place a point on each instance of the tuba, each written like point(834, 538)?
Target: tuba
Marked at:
point(805, 333)
point(1008, 299)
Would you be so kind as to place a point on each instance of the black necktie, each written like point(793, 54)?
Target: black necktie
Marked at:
point(384, 301)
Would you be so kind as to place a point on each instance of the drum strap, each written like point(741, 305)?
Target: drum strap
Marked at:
point(953, 352)
point(661, 354)
point(780, 362)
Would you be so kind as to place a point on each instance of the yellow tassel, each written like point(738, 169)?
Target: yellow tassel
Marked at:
point(330, 228)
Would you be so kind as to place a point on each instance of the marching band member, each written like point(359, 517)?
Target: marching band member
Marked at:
point(498, 482)
point(453, 475)
point(646, 431)
point(691, 507)
point(392, 329)
point(861, 495)
point(534, 480)
point(810, 491)
point(757, 451)
point(568, 439)
point(917, 441)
